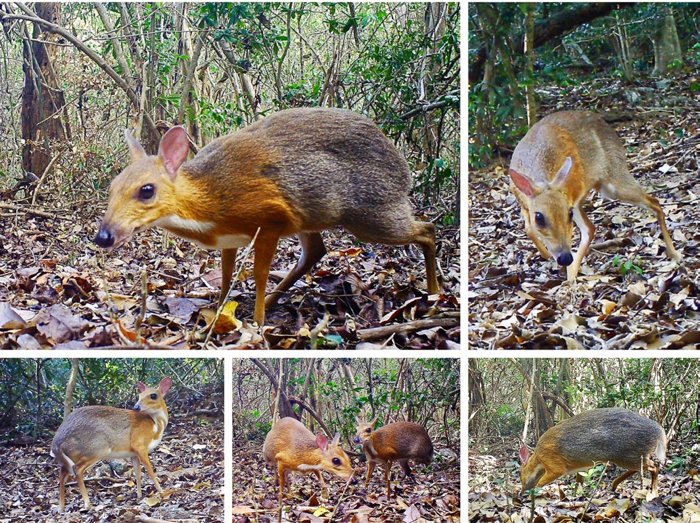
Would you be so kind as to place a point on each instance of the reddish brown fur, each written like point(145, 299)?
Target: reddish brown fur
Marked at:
point(257, 200)
point(399, 441)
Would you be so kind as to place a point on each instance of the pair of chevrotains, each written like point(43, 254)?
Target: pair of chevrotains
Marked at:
point(95, 433)
point(302, 171)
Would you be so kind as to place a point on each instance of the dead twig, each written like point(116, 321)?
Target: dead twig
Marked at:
point(375, 333)
point(316, 331)
point(588, 504)
point(144, 298)
point(29, 210)
point(43, 178)
point(142, 518)
point(347, 484)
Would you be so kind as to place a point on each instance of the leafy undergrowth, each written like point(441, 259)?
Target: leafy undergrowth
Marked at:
point(434, 496)
point(58, 290)
point(494, 487)
point(188, 462)
point(629, 294)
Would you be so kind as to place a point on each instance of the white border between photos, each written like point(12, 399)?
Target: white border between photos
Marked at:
point(463, 258)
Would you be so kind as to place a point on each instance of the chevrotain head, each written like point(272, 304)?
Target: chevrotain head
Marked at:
point(364, 429)
point(333, 457)
point(551, 211)
point(531, 470)
point(145, 191)
point(151, 399)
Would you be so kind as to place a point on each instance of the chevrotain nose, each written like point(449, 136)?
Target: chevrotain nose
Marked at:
point(565, 259)
point(104, 238)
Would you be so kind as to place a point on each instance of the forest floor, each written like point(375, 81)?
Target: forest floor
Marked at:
point(494, 485)
point(434, 497)
point(189, 463)
point(629, 294)
point(58, 290)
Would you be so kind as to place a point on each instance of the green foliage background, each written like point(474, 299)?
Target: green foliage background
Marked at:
point(32, 391)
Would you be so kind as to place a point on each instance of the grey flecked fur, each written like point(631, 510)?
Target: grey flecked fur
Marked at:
point(333, 165)
point(611, 434)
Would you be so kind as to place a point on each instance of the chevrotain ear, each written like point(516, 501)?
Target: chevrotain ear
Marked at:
point(322, 442)
point(524, 454)
point(522, 183)
point(563, 174)
point(136, 151)
point(164, 386)
point(173, 149)
point(336, 439)
point(140, 386)
point(371, 423)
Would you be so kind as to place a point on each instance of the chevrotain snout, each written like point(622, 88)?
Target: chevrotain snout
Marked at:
point(104, 238)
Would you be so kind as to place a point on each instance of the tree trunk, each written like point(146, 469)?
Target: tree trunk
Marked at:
point(667, 47)
point(70, 387)
point(477, 397)
point(434, 30)
point(530, 64)
point(42, 99)
point(186, 98)
point(620, 43)
point(542, 418)
point(285, 406)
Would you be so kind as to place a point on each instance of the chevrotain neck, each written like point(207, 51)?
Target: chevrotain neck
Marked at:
point(160, 417)
point(231, 202)
point(196, 199)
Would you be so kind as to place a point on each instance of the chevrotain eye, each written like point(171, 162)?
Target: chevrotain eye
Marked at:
point(147, 192)
point(571, 214)
point(368, 431)
point(336, 462)
point(154, 396)
point(539, 219)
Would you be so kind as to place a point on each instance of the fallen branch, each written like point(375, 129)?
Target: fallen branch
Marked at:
point(376, 333)
point(29, 210)
point(147, 346)
point(601, 246)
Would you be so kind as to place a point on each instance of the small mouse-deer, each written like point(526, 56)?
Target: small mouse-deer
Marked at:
point(291, 447)
point(295, 172)
point(399, 442)
point(96, 433)
point(617, 435)
point(559, 161)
